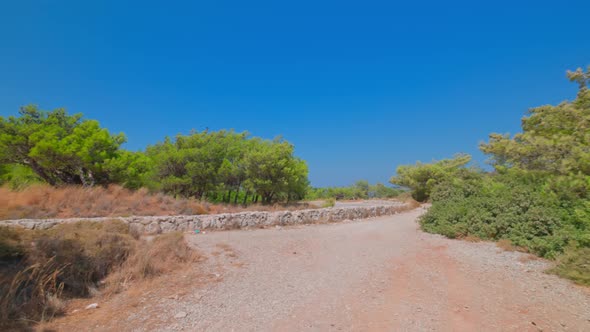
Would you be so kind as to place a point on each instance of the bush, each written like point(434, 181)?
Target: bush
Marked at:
point(422, 178)
point(512, 206)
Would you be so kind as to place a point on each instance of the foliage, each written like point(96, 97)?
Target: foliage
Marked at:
point(223, 166)
point(359, 190)
point(59, 148)
point(555, 139)
point(129, 169)
point(211, 164)
point(517, 205)
point(17, 176)
point(422, 178)
point(538, 196)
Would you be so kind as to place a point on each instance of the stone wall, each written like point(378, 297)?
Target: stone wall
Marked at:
point(162, 224)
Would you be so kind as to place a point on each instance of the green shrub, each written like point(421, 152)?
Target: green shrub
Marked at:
point(423, 178)
point(17, 177)
point(538, 198)
point(513, 206)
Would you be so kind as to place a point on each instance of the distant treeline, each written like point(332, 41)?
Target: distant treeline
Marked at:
point(223, 166)
point(359, 190)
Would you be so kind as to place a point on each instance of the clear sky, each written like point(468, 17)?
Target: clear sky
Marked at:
point(359, 87)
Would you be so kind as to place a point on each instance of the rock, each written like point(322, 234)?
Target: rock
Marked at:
point(164, 224)
point(92, 306)
point(180, 314)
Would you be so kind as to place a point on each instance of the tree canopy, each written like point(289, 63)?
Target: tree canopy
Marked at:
point(555, 139)
point(538, 197)
point(423, 177)
point(59, 148)
point(224, 163)
point(222, 166)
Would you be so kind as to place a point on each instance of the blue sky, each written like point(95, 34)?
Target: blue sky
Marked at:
point(358, 87)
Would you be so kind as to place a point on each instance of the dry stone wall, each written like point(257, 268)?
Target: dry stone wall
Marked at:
point(163, 224)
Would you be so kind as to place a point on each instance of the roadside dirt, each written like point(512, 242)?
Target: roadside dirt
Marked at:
point(381, 274)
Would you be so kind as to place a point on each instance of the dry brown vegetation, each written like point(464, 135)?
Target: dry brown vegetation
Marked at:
point(507, 245)
point(41, 269)
point(43, 201)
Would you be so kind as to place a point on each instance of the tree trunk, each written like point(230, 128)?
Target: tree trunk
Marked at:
point(87, 179)
point(236, 198)
point(245, 198)
point(40, 171)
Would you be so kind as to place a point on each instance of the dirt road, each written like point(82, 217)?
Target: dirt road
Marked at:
point(376, 275)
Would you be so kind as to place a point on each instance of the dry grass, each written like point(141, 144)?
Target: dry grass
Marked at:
point(410, 203)
point(574, 264)
point(507, 245)
point(41, 269)
point(330, 202)
point(471, 238)
point(151, 258)
point(43, 201)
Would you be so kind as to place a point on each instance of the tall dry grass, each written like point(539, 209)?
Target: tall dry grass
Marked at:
point(43, 201)
point(40, 269)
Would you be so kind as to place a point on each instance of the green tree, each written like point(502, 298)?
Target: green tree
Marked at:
point(130, 169)
point(17, 176)
point(59, 148)
point(538, 197)
point(361, 188)
point(554, 139)
point(273, 171)
point(224, 166)
point(422, 178)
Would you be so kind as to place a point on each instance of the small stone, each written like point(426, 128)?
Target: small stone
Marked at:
point(92, 306)
point(181, 314)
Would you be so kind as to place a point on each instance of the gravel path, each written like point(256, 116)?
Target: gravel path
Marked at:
point(376, 275)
